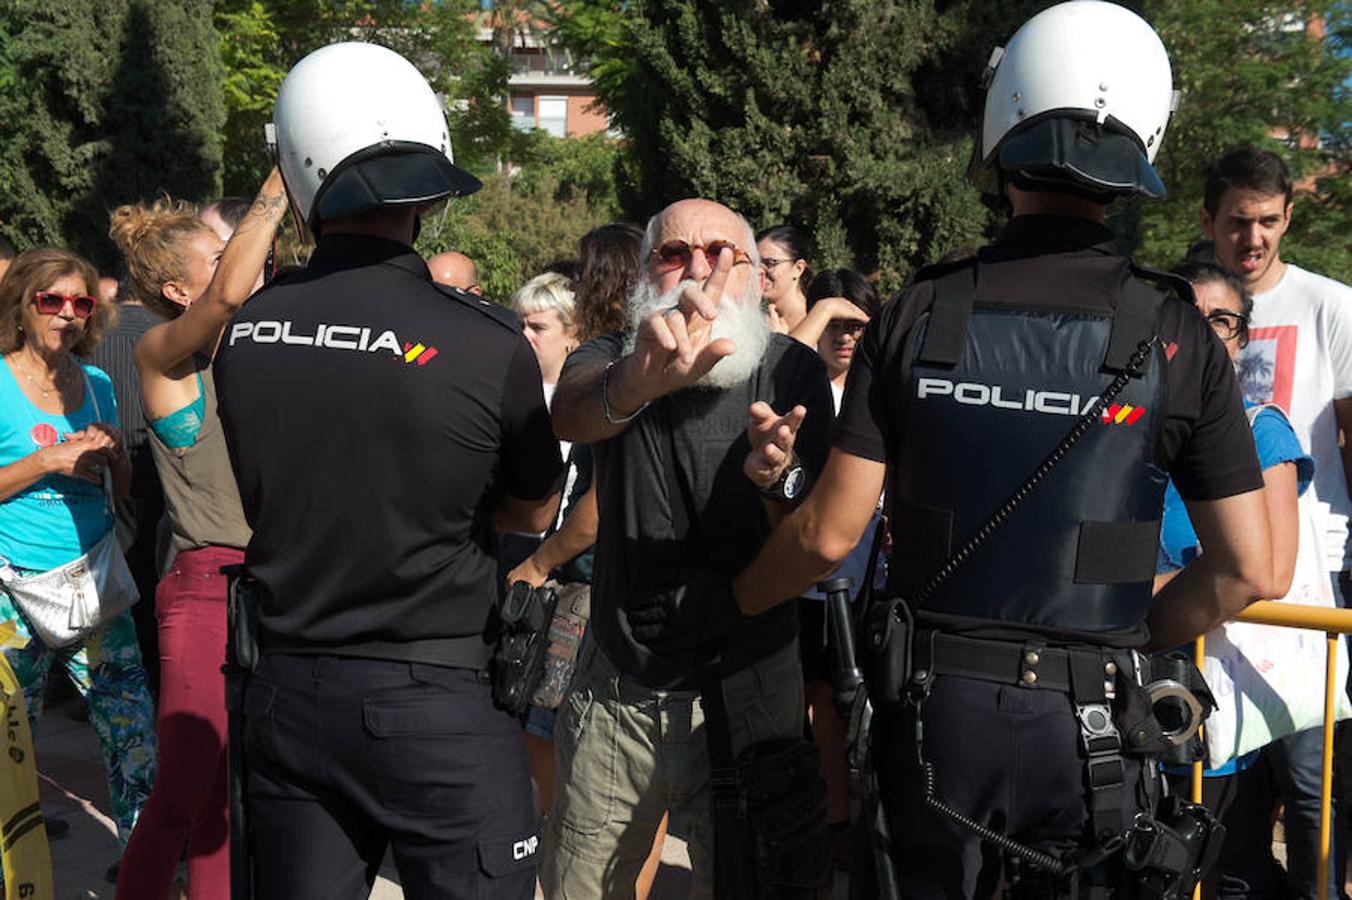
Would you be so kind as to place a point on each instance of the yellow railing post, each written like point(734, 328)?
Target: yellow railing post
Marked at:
point(1198, 656)
point(1326, 786)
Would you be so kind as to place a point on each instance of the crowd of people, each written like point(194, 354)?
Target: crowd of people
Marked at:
point(637, 430)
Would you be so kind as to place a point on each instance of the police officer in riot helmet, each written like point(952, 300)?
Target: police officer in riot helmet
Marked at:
point(1023, 410)
point(380, 427)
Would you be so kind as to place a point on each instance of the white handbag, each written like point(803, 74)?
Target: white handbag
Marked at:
point(68, 603)
point(1269, 681)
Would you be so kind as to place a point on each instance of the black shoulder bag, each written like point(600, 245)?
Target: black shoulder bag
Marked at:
point(769, 802)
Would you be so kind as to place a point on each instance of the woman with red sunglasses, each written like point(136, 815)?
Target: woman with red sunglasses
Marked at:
point(178, 268)
point(58, 436)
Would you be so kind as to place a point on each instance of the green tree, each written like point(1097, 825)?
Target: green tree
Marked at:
point(519, 223)
point(801, 112)
point(1251, 72)
point(262, 39)
point(854, 118)
point(105, 102)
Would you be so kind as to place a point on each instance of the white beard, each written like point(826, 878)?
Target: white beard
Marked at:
point(739, 319)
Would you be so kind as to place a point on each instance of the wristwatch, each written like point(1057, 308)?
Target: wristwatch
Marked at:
point(789, 485)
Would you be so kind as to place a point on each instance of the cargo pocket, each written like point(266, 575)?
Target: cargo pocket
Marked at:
point(506, 864)
point(427, 753)
point(586, 778)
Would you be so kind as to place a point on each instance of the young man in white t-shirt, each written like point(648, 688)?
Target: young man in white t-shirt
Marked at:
point(1299, 357)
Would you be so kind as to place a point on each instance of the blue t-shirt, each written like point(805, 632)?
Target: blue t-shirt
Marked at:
point(1276, 443)
point(56, 519)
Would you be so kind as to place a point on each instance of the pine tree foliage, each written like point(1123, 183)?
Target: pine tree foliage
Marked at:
point(104, 102)
point(853, 119)
point(788, 112)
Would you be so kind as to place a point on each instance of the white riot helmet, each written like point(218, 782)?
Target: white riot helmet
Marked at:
point(357, 127)
point(1080, 98)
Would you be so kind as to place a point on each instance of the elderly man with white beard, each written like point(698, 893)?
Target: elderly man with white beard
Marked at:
point(707, 428)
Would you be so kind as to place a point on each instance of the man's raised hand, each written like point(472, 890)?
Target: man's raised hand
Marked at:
point(674, 347)
point(771, 436)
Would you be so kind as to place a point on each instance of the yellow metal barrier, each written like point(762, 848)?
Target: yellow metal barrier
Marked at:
point(1333, 622)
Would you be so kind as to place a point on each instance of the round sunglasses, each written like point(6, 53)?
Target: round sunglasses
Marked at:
point(677, 254)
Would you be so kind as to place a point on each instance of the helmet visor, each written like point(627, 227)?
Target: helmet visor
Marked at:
point(390, 174)
point(1098, 158)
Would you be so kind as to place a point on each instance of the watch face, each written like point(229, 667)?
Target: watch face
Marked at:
point(793, 482)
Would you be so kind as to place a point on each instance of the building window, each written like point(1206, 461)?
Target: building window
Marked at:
point(554, 115)
point(523, 111)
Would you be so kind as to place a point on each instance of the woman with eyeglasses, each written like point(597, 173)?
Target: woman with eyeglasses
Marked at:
point(178, 267)
point(1242, 792)
point(784, 250)
point(59, 436)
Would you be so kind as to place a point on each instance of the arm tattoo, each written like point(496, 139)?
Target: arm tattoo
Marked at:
point(271, 208)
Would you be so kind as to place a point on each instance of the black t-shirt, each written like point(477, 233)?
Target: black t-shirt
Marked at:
point(369, 414)
point(635, 541)
point(1205, 442)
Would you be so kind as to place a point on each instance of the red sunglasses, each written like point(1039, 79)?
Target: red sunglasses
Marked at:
point(677, 254)
point(50, 303)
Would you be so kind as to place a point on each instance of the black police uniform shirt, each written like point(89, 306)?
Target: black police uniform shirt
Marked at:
point(635, 549)
point(368, 413)
point(1205, 442)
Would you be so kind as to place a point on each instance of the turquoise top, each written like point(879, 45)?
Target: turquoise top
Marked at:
point(57, 518)
point(180, 428)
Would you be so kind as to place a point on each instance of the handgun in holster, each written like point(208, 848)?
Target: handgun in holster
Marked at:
point(522, 625)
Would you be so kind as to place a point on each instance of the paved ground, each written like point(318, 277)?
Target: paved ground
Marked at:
point(73, 788)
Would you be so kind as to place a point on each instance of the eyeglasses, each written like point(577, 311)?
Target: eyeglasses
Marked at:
point(768, 263)
point(677, 254)
point(50, 303)
point(1227, 325)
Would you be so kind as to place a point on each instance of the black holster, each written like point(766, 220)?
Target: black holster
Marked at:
point(770, 835)
point(1168, 854)
point(769, 812)
point(888, 631)
point(522, 641)
point(241, 660)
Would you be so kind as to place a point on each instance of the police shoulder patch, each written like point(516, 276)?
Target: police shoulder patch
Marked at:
point(937, 270)
point(1170, 284)
point(498, 313)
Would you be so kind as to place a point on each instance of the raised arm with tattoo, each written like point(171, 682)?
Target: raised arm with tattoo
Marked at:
point(199, 327)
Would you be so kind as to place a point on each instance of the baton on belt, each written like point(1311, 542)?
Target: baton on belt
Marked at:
point(851, 700)
point(241, 655)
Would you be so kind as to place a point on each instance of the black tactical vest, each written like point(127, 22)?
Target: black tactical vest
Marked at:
point(986, 392)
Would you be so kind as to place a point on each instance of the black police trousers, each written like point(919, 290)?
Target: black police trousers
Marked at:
point(348, 757)
point(1006, 756)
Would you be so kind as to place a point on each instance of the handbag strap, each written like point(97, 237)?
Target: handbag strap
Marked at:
point(98, 417)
